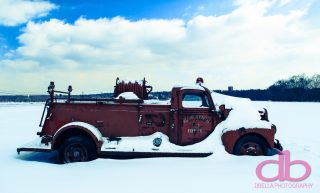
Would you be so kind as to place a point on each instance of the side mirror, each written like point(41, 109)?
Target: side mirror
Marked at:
point(217, 112)
point(224, 112)
point(222, 108)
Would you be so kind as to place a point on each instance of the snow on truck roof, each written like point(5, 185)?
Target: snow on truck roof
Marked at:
point(194, 86)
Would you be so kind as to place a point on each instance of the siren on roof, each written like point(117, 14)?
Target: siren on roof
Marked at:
point(199, 81)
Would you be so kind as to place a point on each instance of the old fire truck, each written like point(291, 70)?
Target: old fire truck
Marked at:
point(82, 129)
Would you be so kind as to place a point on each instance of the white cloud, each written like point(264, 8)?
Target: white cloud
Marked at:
point(24, 65)
point(284, 2)
point(15, 12)
point(246, 48)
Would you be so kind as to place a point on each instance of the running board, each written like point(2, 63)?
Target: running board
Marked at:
point(128, 155)
point(36, 146)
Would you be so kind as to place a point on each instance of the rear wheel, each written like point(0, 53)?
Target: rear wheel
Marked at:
point(77, 149)
point(250, 145)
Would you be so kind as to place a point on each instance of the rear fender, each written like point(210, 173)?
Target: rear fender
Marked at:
point(81, 127)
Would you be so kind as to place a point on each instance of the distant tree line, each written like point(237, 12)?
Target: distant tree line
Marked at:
point(296, 88)
point(23, 98)
point(43, 98)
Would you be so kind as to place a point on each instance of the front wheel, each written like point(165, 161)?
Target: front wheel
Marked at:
point(250, 145)
point(77, 149)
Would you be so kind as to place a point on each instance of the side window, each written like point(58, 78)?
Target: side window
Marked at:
point(195, 100)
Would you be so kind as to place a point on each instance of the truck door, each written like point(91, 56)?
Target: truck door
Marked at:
point(196, 116)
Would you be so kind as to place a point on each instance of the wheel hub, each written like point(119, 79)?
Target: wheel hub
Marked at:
point(76, 153)
point(251, 151)
point(251, 148)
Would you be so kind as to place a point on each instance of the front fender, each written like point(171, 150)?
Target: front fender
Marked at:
point(230, 138)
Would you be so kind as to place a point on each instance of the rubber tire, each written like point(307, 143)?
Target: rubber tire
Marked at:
point(85, 143)
point(250, 138)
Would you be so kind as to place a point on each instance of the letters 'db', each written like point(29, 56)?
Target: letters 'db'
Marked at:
point(284, 165)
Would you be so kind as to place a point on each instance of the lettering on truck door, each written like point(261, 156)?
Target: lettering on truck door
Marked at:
point(195, 117)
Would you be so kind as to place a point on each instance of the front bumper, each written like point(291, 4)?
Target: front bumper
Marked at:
point(35, 145)
point(278, 145)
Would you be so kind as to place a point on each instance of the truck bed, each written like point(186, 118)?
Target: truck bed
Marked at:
point(112, 119)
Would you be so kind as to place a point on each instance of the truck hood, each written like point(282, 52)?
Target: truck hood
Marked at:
point(243, 113)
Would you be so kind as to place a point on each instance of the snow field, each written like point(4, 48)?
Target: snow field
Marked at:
point(298, 130)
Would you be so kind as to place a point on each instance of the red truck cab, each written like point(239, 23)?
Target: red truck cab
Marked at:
point(81, 129)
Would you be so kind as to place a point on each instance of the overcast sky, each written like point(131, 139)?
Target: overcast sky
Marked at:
point(243, 43)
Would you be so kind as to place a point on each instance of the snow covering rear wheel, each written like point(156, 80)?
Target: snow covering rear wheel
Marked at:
point(77, 149)
point(250, 145)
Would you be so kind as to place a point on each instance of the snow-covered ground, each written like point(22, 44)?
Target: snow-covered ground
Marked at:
point(298, 130)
